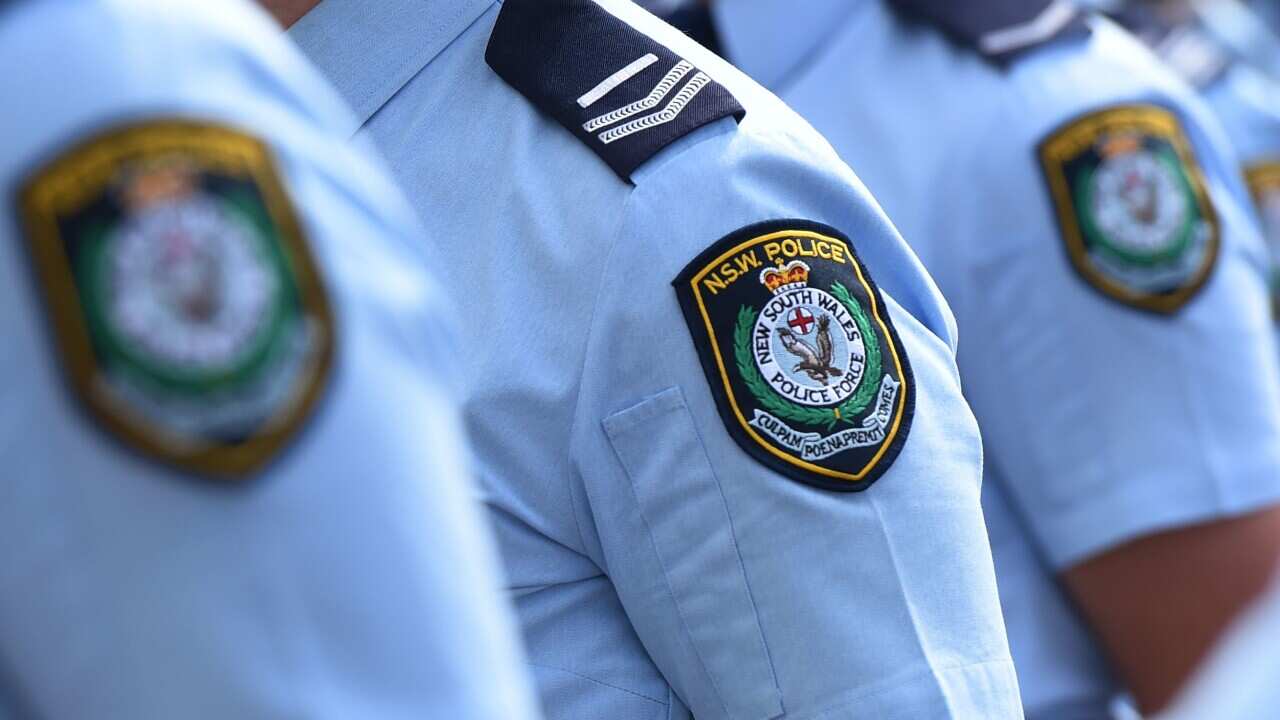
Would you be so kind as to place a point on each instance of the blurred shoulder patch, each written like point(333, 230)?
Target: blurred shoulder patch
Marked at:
point(183, 299)
point(1132, 206)
point(807, 369)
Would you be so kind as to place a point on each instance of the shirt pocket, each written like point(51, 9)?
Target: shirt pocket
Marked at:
point(691, 527)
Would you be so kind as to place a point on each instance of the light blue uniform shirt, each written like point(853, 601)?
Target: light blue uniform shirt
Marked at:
point(1101, 423)
point(1246, 99)
point(1252, 31)
point(1247, 102)
point(660, 572)
point(352, 577)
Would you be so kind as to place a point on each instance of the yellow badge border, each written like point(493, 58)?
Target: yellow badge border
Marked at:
point(695, 285)
point(81, 175)
point(1069, 141)
point(1263, 177)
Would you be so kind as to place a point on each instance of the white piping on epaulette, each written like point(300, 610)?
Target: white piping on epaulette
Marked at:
point(613, 81)
point(663, 116)
point(663, 88)
point(1047, 24)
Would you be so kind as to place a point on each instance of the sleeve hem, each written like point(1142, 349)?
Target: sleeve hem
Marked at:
point(1148, 506)
point(977, 690)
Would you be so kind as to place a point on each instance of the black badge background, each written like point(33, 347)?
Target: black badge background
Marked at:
point(823, 274)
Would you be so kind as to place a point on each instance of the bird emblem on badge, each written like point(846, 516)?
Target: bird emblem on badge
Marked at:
point(815, 362)
point(807, 369)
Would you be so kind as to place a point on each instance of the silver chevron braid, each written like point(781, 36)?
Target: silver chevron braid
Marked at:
point(663, 116)
point(660, 91)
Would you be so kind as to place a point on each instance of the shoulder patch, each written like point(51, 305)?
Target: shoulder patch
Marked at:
point(621, 92)
point(1132, 206)
point(1000, 30)
point(1264, 183)
point(188, 312)
point(805, 364)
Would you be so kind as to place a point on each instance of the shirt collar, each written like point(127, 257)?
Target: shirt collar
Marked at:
point(369, 50)
point(770, 39)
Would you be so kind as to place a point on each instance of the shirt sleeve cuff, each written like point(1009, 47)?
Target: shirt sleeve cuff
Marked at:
point(1144, 506)
point(987, 690)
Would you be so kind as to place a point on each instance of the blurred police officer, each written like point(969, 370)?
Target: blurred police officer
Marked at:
point(1077, 206)
point(233, 474)
point(712, 391)
point(1209, 45)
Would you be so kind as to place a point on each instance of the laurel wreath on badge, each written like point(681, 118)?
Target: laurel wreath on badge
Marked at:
point(774, 402)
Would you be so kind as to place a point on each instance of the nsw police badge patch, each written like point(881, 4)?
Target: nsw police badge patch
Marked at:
point(189, 313)
point(1132, 205)
point(805, 365)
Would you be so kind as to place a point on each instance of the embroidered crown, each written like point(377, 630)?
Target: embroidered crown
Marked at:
point(791, 276)
point(157, 182)
point(1120, 144)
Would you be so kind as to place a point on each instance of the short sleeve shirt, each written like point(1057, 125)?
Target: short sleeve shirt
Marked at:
point(660, 570)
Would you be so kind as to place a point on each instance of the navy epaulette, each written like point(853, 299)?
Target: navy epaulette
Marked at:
point(1000, 30)
point(621, 92)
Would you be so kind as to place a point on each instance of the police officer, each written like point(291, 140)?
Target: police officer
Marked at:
point(711, 390)
point(1080, 211)
point(233, 474)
